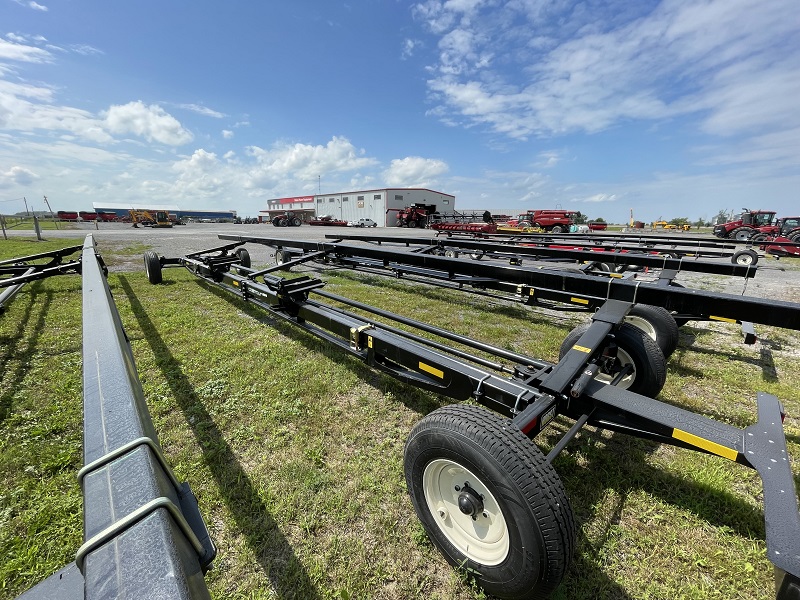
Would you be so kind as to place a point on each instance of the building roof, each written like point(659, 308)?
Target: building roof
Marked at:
point(138, 205)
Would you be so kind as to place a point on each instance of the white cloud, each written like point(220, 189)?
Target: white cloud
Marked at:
point(22, 52)
point(202, 110)
point(227, 134)
point(150, 122)
point(17, 176)
point(409, 46)
point(568, 69)
point(36, 6)
point(303, 162)
point(414, 171)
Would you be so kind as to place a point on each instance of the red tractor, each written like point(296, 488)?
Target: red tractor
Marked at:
point(554, 221)
point(414, 216)
point(745, 225)
point(788, 227)
point(287, 219)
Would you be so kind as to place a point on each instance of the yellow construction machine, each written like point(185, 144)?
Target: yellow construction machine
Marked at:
point(159, 218)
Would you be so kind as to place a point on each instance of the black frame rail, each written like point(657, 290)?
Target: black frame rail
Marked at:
point(532, 392)
point(614, 257)
point(16, 272)
point(533, 285)
point(144, 536)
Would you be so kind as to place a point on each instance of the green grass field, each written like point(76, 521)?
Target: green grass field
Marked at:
point(294, 450)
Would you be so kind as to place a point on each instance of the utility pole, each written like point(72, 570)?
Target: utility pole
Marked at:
point(52, 215)
point(25, 200)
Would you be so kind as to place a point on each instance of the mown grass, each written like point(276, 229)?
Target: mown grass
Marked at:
point(295, 450)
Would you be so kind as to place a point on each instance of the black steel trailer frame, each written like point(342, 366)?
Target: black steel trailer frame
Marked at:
point(535, 286)
point(16, 272)
point(500, 476)
point(616, 260)
point(144, 536)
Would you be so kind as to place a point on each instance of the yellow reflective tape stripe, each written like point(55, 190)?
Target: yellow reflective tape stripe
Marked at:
point(705, 444)
point(236, 284)
point(725, 319)
point(432, 370)
point(369, 341)
point(619, 275)
point(531, 292)
point(582, 349)
point(579, 300)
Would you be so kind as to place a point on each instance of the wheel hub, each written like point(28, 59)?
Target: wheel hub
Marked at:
point(469, 502)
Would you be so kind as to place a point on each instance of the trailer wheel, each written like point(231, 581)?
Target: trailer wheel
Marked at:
point(476, 255)
point(152, 266)
point(244, 256)
point(659, 325)
point(281, 256)
point(489, 501)
point(745, 257)
point(634, 348)
point(451, 253)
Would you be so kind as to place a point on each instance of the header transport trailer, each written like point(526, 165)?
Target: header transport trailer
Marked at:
point(532, 286)
point(487, 496)
point(601, 258)
point(701, 247)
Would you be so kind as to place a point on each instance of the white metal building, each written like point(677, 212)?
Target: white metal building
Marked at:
point(380, 205)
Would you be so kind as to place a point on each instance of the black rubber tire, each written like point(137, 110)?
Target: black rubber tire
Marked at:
point(522, 488)
point(650, 366)
point(275, 222)
point(662, 326)
point(296, 222)
point(281, 256)
point(476, 255)
point(745, 257)
point(244, 256)
point(283, 222)
point(451, 253)
point(741, 234)
point(556, 229)
point(523, 224)
point(152, 266)
point(412, 224)
point(794, 237)
point(759, 238)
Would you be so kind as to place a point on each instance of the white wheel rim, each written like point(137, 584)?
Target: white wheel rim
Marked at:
point(484, 540)
point(744, 259)
point(644, 325)
point(624, 359)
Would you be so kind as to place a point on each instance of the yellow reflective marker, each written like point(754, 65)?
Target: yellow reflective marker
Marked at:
point(369, 341)
point(432, 370)
point(725, 319)
point(579, 300)
point(705, 444)
point(581, 348)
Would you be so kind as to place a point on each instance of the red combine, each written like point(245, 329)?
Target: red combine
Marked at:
point(745, 225)
point(414, 216)
point(553, 221)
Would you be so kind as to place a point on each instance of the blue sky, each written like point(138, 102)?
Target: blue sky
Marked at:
point(672, 108)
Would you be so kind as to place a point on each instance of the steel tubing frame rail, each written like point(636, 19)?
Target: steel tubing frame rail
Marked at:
point(586, 290)
point(143, 533)
point(537, 391)
point(642, 257)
